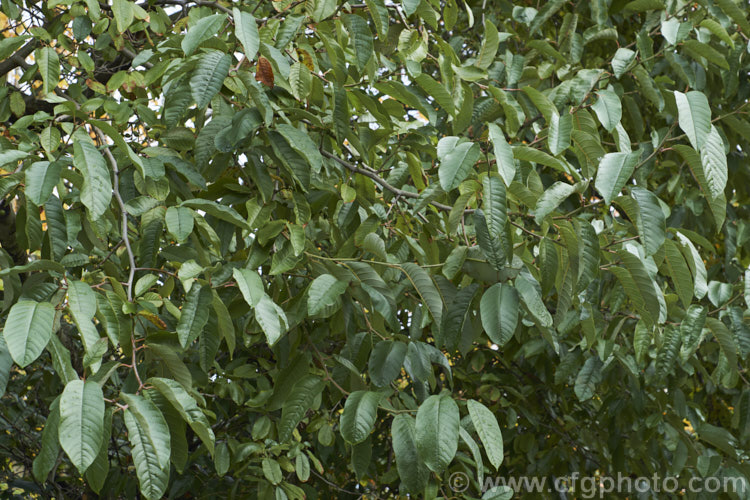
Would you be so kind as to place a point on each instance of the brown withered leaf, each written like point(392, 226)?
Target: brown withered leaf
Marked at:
point(264, 72)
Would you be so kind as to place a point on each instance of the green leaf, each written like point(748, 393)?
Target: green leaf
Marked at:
point(559, 132)
point(12, 156)
point(49, 67)
point(6, 363)
point(250, 285)
point(492, 246)
point(691, 329)
point(204, 29)
point(411, 469)
point(526, 153)
point(641, 341)
point(679, 272)
point(385, 363)
point(718, 31)
point(46, 459)
point(437, 91)
point(739, 16)
point(622, 61)
point(489, 46)
point(217, 210)
point(8, 45)
point(694, 116)
point(380, 16)
point(698, 50)
point(650, 220)
point(300, 80)
point(714, 161)
point(28, 329)
point(726, 340)
point(208, 77)
point(194, 314)
point(60, 360)
point(301, 142)
point(437, 431)
point(476, 453)
point(359, 415)
point(488, 429)
point(96, 192)
point(530, 293)
point(271, 319)
point(151, 426)
point(695, 262)
point(494, 205)
point(506, 165)
point(246, 31)
point(454, 262)
point(361, 38)
point(41, 178)
point(457, 319)
point(425, 287)
point(152, 478)
point(608, 109)
point(96, 474)
point(666, 358)
point(499, 312)
point(542, 103)
point(81, 422)
point(82, 303)
point(298, 403)
point(614, 171)
point(179, 222)
point(123, 12)
point(639, 286)
point(551, 199)
point(588, 378)
point(187, 408)
point(323, 293)
point(456, 161)
point(718, 205)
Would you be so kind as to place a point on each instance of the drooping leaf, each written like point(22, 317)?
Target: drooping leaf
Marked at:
point(499, 312)
point(694, 117)
point(194, 314)
point(151, 426)
point(246, 31)
point(96, 192)
point(488, 429)
point(411, 468)
point(152, 478)
point(81, 422)
point(386, 361)
point(714, 161)
point(298, 403)
point(614, 171)
point(437, 431)
point(208, 77)
point(49, 67)
point(359, 415)
point(608, 109)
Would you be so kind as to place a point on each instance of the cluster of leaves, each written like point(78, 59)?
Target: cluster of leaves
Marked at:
point(243, 240)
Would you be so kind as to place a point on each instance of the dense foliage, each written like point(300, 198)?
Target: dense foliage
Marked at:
point(309, 249)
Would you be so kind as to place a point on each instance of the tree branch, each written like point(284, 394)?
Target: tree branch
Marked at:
point(368, 172)
point(123, 209)
point(18, 58)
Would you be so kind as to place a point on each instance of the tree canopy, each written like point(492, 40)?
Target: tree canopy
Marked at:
point(313, 249)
